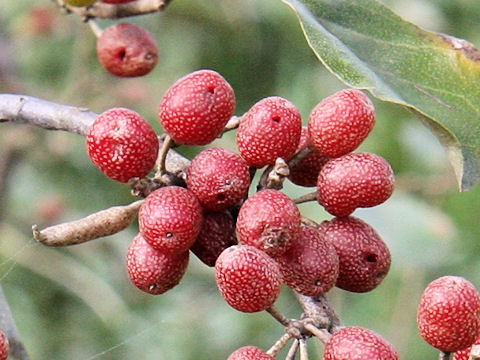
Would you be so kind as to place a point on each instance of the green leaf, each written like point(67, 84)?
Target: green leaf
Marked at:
point(370, 47)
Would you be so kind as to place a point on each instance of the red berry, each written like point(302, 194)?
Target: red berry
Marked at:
point(170, 219)
point(127, 50)
point(219, 178)
point(310, 266)
point(4, 346)
point(305, 172)
point(356, 180)
point(217, 233)
point(269, 130)
point(248, 279)
point(268, 220)
point(364, 259)
point(448, 315)
point(340, 123)
point(465, 353)
point(196, 108)
point(122, 144)
point(357, 343)
point(249, 353)
point(154, 271)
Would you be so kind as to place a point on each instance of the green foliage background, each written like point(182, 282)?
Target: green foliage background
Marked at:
point(77, 303)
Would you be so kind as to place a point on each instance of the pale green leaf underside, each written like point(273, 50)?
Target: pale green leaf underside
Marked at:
point(370, 47)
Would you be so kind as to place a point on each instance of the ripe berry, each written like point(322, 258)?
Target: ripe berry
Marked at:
point(357, 343)
point(465, 353)
point(170, 219)
point(248, 279)
point(217, 233)
point(448, 315)
point(268, 220)
point(340, 123)
point(127, 50)
point(305, 172)
point(310, 266)
point(219, 178)
point(356, 180)
point(4, 346)
point(122, 144)
point(196, 108)
point(269, 130)
point(154, 271)
point(364, 259)
point(249, 353)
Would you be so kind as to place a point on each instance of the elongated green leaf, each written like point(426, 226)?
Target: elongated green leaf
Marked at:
point(370, 47)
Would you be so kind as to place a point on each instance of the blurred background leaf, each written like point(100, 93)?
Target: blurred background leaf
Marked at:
point(77, 303)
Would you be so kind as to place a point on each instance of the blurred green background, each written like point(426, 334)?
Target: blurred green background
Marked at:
point(78, 303)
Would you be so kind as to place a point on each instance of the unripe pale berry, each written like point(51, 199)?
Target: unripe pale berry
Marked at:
point(305, 172)
point(196, 108)
point(311, 265)
point(364, 258)
point(170, 219)
point(217, 234)
point(219, 178)
point(356, 180)
point(340, 123)
point(127, 50)
point(269, 130)
point(122, 144)
point(268, 220)
point(250, 353)
point(4, 346)
point(154, 271)
point(448, 315)
point(357, 343)
point(248, 279)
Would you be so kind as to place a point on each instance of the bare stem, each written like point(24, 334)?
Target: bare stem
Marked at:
point(305, 198)
point(293, 350)
point(162, 156)
point(322, 334)
point(277, 315)
point(298, 157)
point(309, 222)
point(232, 124)
point(96, 29)
point(444, 355)
point(274, 176)
point(303, 349)
point(279, 345)
point(319, 310)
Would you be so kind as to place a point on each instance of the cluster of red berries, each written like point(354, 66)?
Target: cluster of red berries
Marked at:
point(261, 242)
point(4, 346)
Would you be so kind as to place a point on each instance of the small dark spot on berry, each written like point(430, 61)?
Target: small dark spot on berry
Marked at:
point(227, 182)
point(149, 56)
point(381, 275)
point(152, 287)
point(221, 197)
point(211, 89)
point(371, 258)
point(317, 283)
point(276, 119)
point(122, 53)
point(169, 235)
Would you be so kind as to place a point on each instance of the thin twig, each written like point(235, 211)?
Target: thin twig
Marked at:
point(319, 310)
point(303, 349)
point(232, 124)
point(444, 355)
point(322, 334)
point(305, 198)
point(279, 345)
point(293, 350)
point(277, 315)
point(162, 156)
point(96, 29)
point(309, 222)
point(298, 157)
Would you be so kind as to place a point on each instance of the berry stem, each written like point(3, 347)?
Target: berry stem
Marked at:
point(306, 198)
point(293, 350)
point(279, 345)
point(96, 29)
point(298, 157)
point(309, 222)
point(303, 349)
point(232, 124)
point(274, 176)
point(167, 143)
point(277, 315)
point(100, 224)
point(444, 355)
point(320, 311)
point(321, 334)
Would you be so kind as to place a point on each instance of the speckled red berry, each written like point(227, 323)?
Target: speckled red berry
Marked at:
point(170, 219)
point(311, 264)
point(122, 144)
point(364, 258)
point(219, 178)
point(250, 353)
point(269, 130)
point(127, 50)
point(356, 180)
point(340, 123)
point(248, 279)
point(268, 220)
point(4, 346)
point(154, 271)
point(448, 315)
point(305, 172)
point(465, 353)
point(196, 108)
point(217, 234)
point(357, 343)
